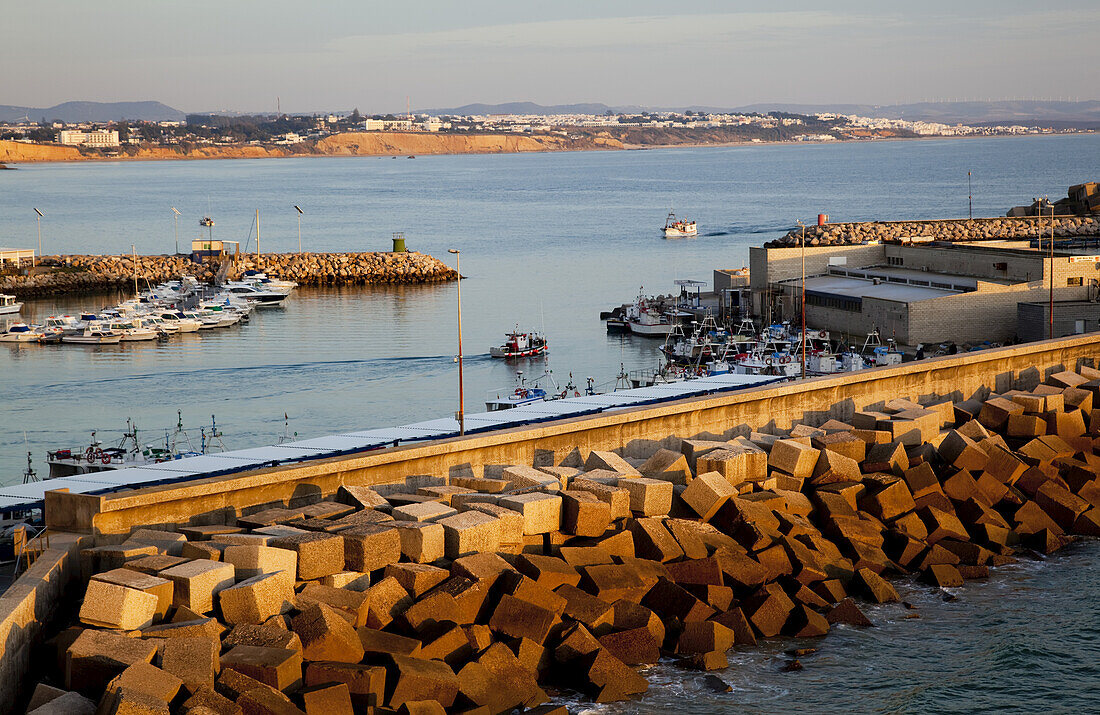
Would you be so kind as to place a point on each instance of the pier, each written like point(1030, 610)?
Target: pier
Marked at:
point(659, 495)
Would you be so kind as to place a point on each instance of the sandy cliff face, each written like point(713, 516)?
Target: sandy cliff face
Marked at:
point(349, 144)
point(18, 151)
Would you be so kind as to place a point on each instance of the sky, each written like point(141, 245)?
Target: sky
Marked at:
point(255, 55)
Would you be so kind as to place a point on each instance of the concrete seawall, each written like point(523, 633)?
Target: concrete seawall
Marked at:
point(634, 432)
point(90, 274)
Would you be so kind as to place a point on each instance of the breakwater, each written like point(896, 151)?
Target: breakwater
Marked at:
point(493, 586)
point(981, 229)
point(60, 275)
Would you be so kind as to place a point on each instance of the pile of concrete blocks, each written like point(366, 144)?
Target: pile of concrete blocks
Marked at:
point(488, 593)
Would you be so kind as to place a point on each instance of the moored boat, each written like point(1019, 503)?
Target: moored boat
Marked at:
point(21, 333)
point(8, 304)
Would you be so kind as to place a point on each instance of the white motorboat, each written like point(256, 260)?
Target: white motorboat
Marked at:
point(132, 330)
point(21, 333)
point(520, 345)
point(157, 323)
point(679, 228)
point(183, 324)
point(8, 304)
point(93, 334)
point(205, 319)
point(262, 298)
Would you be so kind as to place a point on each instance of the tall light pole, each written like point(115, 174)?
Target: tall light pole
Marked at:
point(1051, 329)
point(461, 398)
point(176, 221)
point(38, 218)
point(299, 227)
point(803, 245)
point(970, 194)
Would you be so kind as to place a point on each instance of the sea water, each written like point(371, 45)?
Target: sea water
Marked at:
point(547, 241)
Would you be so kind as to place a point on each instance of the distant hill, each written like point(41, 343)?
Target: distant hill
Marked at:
point(94, 112)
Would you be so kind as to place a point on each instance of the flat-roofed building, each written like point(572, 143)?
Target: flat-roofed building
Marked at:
point(97, 138)
point(929, 292)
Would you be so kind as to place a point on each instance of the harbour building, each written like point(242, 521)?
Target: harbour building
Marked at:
point(930, 291)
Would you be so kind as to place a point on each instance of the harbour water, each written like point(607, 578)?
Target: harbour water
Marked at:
point(547, 241)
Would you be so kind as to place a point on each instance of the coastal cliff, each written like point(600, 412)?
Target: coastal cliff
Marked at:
point(91, 274)
point(347, 144)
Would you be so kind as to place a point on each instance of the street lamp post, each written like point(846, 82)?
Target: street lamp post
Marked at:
point(1050, 332)
point(461, 398)
point(38, 218)
point(803, 244)
point(299, 210)
point(970, 194)
point(176, 222)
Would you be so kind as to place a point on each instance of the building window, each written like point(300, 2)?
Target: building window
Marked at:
point(1074, 281)
point(895, 260)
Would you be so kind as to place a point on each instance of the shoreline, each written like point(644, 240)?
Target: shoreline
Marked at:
point(521, 144)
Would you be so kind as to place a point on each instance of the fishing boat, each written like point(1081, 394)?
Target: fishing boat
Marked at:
point(8, 304)
point(21, 333)
point(522, 394)
point(679, 228)
point(131, 451)
point(520, 345)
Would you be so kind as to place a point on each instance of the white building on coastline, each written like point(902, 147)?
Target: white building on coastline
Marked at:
point(97, 138)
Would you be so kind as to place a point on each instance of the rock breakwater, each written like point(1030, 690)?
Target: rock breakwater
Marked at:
point(983, 229)
point(484, 592)
point(59, 275)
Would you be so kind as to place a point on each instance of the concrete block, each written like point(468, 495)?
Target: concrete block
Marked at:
point(421, 542)
point(361, 497)
point(415, 679)
point(160, 587)
point(541, 512)
point(254, 560)
point(417, 579)
point(195, 661)
point(167, 542)
point(648, 497)
point(511, 521)
point(197, 583)
point(424, 511)
point(470, 533)
point(616, 497)
point(668, 466)
point(319, 554)
point(67, 703)
point(739, 462)
point(366, 684)
point(584, 514)
point(530, 477)
point(257, 599)
point(349, 580)
point(707, 493)
point(96, 657)
point(148, 679)
point(387, 600)
point(329, 699)
point(833, 466)
point(609, 461)
point(369, 548)
point(793, 457)
point(279, 668)
point(653, 541)
point(265, 636)
point(326, 635)
point(518, 618)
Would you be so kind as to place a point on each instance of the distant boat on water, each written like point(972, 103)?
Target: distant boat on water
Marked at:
point(679, 228)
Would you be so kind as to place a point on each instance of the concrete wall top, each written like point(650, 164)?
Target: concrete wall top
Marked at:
point(813, 401)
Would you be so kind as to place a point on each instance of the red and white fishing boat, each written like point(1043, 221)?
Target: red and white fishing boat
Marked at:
point(520, 345)
point(679, 228)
